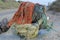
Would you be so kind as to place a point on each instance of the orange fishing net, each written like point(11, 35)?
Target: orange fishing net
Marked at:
point(23, 15)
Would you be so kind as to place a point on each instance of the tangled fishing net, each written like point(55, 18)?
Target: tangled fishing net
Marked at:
point(28, 20)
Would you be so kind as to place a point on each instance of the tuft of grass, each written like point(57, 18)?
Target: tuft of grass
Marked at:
point(55, 6)
point(8, 5)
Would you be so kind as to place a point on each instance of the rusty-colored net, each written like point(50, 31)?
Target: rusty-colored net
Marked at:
point(23, 15)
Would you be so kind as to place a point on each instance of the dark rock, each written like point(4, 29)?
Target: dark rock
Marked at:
point(3, 25)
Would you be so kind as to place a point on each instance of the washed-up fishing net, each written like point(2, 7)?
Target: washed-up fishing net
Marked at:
point(28, 20)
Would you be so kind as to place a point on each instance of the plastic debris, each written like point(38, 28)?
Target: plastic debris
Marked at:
point(42, 32)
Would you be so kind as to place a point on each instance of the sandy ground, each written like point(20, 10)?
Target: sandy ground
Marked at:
point(52, 35)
